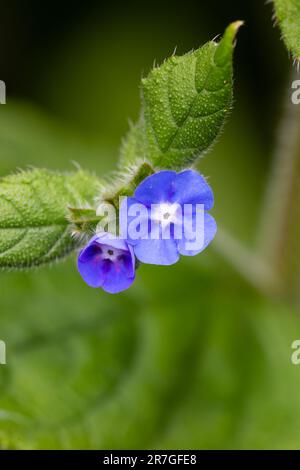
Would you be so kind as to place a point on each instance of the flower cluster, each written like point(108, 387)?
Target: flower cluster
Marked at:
point(166, 217)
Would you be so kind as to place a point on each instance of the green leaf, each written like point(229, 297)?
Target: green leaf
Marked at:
point(185, 103)
point(34, 229)
point(287, 13)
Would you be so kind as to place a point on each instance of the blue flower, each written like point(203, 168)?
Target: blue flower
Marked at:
point(107, 262)
point(170, 194)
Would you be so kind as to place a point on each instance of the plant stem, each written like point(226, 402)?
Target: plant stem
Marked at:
point(247, 263)
point(279, 235)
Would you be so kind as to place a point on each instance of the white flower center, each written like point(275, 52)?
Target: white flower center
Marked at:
point(165, 213)
point(110, 253)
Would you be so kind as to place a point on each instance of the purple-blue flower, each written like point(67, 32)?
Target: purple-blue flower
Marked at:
point(107, 262)
point(170, 193)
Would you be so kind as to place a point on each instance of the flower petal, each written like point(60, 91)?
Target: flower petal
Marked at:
point(126, 220)
point(163, 252)
point(90, 265)
point(156, 188)
point(191, 188)
point(210, 229)
point(119, 276)
point(112, 274)
point(105, 238)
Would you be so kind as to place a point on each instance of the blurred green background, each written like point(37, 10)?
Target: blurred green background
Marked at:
point(191, 356)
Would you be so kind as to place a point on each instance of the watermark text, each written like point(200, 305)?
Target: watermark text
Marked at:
point(2, 92)
point(2, 352)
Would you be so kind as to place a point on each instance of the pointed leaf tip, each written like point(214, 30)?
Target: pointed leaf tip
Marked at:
point(227, 43)
point(185, 103)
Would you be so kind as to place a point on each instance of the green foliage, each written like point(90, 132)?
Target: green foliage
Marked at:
point(287, 13)
point(33, 206)
point(184, 105)
point(190, 357)
point(208, 367)
point(83, 220)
